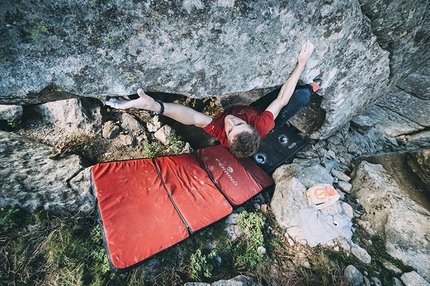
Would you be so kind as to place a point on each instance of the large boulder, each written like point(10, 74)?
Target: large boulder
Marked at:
point(403, 113)
point(402, 28)
point(31, 180)
point(59, 49)
point(397, 212)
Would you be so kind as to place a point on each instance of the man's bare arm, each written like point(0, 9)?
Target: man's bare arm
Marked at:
point(178, 112)
point(290, 85)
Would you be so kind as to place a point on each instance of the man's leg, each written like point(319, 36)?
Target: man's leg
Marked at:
point(300, 97)
point(263, 102)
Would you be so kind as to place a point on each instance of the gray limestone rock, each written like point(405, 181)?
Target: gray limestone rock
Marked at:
point(163, 134)
point(71, 116)
point(361, 254)
point(406, 105)
point(394, 26)
point(129, 123)
point(353, 276)
point(420, 163)
point(31, 180)
point(10, 112)
point(397, 216)
point(388, 122)
point(220, 47)
point(289, 197)
point(414, 279)
point(240, 280)
point(110, 130)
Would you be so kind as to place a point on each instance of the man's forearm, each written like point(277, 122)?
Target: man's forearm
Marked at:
point(289, 86)
point(178, 112)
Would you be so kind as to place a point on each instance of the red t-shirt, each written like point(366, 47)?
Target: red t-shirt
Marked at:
point(262, 121)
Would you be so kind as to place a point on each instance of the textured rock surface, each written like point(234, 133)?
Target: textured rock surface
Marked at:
point(71, 115)
point(395, 213)
point(419, 162)
point(31, 180)
point(56, 49)
point(404, 112)
point(10, 112)
point(402, 27)
point(289, 197)
point(413, 279)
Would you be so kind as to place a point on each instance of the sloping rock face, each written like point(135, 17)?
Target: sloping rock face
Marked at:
point(31, 180)
point(396, 23)
point(403, 113)
point(58, 49)
point(399, 214)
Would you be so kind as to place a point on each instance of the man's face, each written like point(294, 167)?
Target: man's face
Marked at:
point(234, 125)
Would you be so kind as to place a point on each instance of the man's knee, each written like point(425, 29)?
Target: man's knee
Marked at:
point(301, 96)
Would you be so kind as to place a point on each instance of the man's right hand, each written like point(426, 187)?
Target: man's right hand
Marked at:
point(143, 102)
point(305, 52)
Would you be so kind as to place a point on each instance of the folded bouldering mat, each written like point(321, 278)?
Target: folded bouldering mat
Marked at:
point(278, 147)
point(148, 205)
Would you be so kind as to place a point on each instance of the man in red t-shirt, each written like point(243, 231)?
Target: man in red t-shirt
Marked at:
point(239, 127)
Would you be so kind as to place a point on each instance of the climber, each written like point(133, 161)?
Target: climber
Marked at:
point(240, 127)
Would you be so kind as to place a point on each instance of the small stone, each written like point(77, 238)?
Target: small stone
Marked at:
point(340, 175)
point(163, 134)
point(347, 210)
point(376, 281)
point(262, 250)
point(370, 231)
point(353, 148)
point(344, 186)
point(331, 154)
point(353, 276)
point(110, 130)
point(10, 112)
point(310, 154)
point(127, 140)
point(290, 241)
point(397, 282)
point(334, 140)
point(413, 278)
point(366, 281)
point(231, 219)
point(130, 123)
point(263, 208)
point(390, 266)
point(154, 125)
point(363, 223)
point(361, 254)
point(233, 232)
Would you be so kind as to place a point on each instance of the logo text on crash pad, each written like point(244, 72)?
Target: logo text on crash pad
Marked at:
point(227, 172)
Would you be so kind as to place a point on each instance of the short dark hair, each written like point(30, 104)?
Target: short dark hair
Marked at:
point(245, 144)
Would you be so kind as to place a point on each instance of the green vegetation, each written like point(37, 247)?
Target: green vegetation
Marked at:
point(13, 123)
point(40, 248)
point(201, 265)
point(156, 149)
point(11, 217)
point(247, 249)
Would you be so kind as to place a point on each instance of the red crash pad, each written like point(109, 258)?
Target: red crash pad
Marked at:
point(193, 193)
point(148, 205)
point(137, 214)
